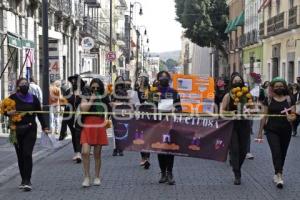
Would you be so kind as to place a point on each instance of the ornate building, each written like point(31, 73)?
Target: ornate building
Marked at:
point(280, 32)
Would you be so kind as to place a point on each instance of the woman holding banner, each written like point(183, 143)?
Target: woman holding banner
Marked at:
point(241, 128)
point(94, 129)
point(166, 162)
point(278, 129)
point(143, 88)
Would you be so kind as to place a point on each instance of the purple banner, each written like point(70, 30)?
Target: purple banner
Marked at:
point(177, 135)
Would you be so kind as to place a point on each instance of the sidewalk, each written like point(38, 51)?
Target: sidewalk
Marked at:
point(57, 177)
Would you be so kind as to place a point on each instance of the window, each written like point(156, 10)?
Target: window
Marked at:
point(270, 10)
point(283, 70)
point(275, 67)
point(278, 6)
point(298, 66)
point(270, 71)
point(291, 72)
point(291, 3)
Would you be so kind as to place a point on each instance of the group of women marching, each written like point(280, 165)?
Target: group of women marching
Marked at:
point(91, 132)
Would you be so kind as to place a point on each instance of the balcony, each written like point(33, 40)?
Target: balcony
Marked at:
point(61, 7)
point(90, 28)
point(262, 29)
point(294, 14)
point(276, 24)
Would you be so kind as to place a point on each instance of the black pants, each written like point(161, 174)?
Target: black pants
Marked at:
point(279, 144)
point(239, 145)
point(166, 162)
point(24, 148)
point(145, 155)
point(74, 132)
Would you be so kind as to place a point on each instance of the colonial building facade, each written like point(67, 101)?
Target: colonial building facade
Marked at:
point(21, 46)
point(235, 30)
point(250, 40)
point(280, 32)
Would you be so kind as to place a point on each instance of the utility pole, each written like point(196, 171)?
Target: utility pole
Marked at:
point(137, 53)
point(110, 35)
point(45, 83)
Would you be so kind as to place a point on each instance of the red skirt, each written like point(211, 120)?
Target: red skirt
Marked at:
point(94, 131)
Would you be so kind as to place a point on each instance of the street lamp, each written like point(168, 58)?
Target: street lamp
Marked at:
point(130, 22)
point(138, 29)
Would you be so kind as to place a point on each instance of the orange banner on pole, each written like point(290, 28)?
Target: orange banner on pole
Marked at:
point(197, 93)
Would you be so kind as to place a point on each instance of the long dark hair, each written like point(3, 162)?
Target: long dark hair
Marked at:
point(100, 83)
point(233, 77)
point(161, 73)
point(285, 85)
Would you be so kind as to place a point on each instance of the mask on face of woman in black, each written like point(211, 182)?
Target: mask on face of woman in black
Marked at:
point(280, 91)
point(164, 82)
point(239, 84)
point(24, 89)
point(74, 86)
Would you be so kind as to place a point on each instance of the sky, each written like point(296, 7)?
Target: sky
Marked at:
point(163, 30)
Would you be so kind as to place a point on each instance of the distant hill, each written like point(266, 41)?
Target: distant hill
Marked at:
point(175, 55)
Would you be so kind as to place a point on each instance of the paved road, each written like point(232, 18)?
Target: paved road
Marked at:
point(56, 177)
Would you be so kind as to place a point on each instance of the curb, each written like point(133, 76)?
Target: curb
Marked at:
point(13, 170)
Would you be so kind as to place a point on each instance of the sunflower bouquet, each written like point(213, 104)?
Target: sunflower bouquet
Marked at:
point(153, 95)
point(241, 95)
point(109, 89)
point(6, 106)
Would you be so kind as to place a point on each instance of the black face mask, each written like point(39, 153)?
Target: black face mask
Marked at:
point(235, 85)
point(164, 82)
point(298, 80)
point(74, 86)
point(280, 91)
point(24, 89)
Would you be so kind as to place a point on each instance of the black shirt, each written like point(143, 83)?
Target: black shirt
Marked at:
point(278, 124)
point(33, 106)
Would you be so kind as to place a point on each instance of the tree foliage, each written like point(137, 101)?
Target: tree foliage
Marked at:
point(170, 63)
point(204, 21)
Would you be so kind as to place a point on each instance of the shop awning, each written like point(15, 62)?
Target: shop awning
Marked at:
point(14, 41)
point(28, 44)
point(240, 20)
point(233, 24)
point(228, 27)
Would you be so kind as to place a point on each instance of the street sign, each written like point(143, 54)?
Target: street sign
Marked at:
point(111, 56)
point(87, 43)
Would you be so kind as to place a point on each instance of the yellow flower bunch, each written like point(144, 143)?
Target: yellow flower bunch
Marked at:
point(7, 105)
point(110, 89)
point(241, 95)
point(153, 89)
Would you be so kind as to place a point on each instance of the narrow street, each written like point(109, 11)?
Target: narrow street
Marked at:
point(56, 177)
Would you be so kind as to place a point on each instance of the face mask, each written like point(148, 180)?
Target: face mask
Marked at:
point(298, 80)
point(74, 86)
point(164, 82)
point(24, 89)
point(279, 91)
point(235, 85)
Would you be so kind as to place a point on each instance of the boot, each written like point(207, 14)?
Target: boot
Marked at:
point(115, 153)
point(163, 178)
point(170, 178)
point(237, 178)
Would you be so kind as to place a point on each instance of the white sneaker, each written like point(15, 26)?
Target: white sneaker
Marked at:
point(280, 182)
point(97, 182)
point(275, 178)
point(86, 182)
point(249, 156)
